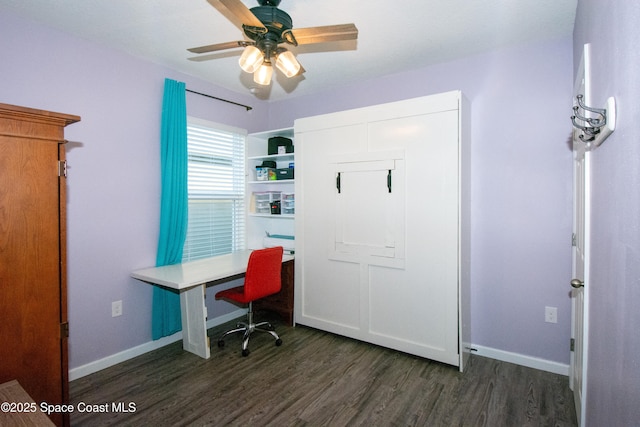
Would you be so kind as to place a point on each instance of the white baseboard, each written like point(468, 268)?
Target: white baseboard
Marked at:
point(130, 353)
point(522, 360)
point(114, 359)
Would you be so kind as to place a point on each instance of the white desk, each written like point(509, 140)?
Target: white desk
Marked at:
point(190, 279)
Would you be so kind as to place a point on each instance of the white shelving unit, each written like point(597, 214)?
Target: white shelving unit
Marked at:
point(259, 224)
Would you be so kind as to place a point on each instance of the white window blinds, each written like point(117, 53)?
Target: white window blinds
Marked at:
point(216, 222)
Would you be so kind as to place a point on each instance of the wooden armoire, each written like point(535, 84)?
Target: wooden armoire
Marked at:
point(33, 294)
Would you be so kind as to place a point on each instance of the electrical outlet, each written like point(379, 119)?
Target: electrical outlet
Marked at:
point(551, 314)
point(116, 308)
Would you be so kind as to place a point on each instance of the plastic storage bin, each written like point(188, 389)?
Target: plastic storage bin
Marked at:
point(263, 201)
point(265, 174)
point(288, 203)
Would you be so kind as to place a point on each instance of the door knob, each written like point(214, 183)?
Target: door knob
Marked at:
point(577, 283)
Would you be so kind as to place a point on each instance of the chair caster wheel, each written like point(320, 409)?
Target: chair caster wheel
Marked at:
point(278, 342)
point(270, 327)
point(245, 352)
point(220, 343)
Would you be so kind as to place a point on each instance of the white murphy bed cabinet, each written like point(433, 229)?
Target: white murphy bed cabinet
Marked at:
point(382, 228)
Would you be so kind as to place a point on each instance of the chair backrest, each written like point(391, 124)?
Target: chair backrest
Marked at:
point(263, 273)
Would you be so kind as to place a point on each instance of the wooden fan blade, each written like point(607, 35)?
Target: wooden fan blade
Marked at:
point(219, 46)
point(327, 33)
point(242, 12)
point(216, 55)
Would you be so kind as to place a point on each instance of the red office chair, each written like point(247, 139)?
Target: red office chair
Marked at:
point(262, 279)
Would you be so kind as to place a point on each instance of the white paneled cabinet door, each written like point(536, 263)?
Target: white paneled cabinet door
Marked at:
point(415, 308)
point(329, 297)
point(379, 239)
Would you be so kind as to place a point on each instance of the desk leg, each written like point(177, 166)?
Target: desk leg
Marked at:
point(194, 321)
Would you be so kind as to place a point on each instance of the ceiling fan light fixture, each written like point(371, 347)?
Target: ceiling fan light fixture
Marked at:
point(251, 59)
point(288, 64)
point(263, 75)
point(265, 28)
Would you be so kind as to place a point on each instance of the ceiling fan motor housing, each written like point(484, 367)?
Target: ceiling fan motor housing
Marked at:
point(269, 2)
point(277, 21)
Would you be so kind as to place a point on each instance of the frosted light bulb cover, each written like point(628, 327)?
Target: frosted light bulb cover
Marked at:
point(263, 75)
point(251, 59)
point(288, 64)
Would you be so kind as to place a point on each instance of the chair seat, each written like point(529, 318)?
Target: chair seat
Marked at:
point(235, 294)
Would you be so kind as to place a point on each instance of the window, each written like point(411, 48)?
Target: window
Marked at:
point(216, 223)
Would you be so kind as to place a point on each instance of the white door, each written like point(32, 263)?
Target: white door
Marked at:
point(579, 282)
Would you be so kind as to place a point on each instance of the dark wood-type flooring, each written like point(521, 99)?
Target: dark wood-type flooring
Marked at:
point(318, 379)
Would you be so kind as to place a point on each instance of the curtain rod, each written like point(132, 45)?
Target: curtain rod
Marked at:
point(220, 99)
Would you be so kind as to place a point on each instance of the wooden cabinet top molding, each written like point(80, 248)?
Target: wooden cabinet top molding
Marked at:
point(46, 125)
point(24, 113)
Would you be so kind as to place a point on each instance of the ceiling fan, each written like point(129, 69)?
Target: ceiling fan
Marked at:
point(267, 27)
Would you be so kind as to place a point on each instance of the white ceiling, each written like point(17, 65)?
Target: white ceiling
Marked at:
point(393, 35)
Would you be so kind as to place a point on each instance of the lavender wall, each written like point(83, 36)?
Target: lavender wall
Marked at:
point(521, 184)
point(113, 185)
point(613, 379)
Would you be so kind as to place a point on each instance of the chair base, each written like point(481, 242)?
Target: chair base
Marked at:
point(247, 328)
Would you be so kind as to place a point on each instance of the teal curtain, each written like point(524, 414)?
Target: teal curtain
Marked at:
point(166, 319)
